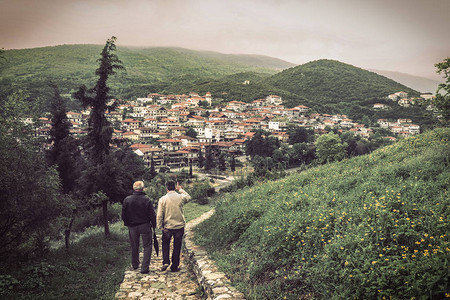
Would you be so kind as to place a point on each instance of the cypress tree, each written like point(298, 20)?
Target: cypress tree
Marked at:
point(100, 130)
point(233, 164)
point(209, 159)
point(201, 159)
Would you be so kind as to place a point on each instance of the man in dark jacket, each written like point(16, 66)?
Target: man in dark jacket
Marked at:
point(138, 214)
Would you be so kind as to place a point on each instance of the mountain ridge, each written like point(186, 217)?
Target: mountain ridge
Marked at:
point(326, 86)
point(422, 84)
point(73, 65)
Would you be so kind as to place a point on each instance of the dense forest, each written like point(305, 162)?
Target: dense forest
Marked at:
point(147, 69)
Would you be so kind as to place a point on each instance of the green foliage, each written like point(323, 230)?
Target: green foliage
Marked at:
point(329, 148)
point(100, 130)
point(369, 227)
point(93, 217)
point(7, 283)
point(92, 269)
point(29, 196)
point(65, 152)
point(201, 159)
point(210, 162)
point(301, 153)
point(191, 132)
point(171, 70)
point(114, 177)
point(261, 145)
point(442, 101)
point(299, 135)
point(201, 192)
point(329, 81)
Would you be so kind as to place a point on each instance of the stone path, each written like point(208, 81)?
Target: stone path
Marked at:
point(158, 285)
point(183, 285)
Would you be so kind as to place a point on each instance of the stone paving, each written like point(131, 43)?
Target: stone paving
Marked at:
point(197, 279)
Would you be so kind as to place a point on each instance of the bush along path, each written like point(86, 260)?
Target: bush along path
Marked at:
point(198, 277)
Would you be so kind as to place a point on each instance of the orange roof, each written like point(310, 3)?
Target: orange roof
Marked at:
point(130, 121)
point(129, 133)
point(169, 141)
point(138, 146)
point(239, 140)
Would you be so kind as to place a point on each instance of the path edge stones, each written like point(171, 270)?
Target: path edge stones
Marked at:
point(215, 284)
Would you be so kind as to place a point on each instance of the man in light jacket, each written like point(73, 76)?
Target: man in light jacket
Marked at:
point(138, 214)
point(170, 219)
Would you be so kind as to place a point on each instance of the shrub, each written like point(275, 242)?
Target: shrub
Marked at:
point(200, 192)
point(94, 217)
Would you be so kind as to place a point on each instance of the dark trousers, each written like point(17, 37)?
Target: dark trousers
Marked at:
point(144, 231)
point(167, 235)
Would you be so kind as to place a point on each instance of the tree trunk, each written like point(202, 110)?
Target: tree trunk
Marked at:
point(67, 232)
point(105, 217)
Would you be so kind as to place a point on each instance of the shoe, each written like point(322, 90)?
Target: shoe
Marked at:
point(175, 269)
point(164, 267)
point(145, 272)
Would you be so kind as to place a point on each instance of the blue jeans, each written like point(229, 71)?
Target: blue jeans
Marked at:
point(144, 230)
point(167, 235)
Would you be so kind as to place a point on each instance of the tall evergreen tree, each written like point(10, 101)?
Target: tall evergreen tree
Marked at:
point(64, 151)
point(209, 159)
point(201, 158)
point(97, 98)
point(152, 172)
point(100, 130)
point(222, 161)
point(66, 156)
point(233, 164)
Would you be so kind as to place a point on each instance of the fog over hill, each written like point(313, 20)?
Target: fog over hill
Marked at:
point(421, 84)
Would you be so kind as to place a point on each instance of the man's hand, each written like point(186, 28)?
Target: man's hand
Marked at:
point(178, 186)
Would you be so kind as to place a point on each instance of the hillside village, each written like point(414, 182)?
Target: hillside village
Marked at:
point(156, 126)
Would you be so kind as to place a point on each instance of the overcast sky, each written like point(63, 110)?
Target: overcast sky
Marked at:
point(407, 36)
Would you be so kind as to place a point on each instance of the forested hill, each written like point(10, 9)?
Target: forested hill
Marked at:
point(330, 81)
point(147, 69)
point(326, 86)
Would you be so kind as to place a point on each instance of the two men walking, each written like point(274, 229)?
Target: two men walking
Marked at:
point(139, 215)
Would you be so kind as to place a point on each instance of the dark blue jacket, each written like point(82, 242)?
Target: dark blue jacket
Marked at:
point(137, 209)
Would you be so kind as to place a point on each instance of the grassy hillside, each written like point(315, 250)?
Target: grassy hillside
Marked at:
point(370, 227)
point(147, 69)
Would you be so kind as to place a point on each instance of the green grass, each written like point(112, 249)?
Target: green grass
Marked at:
point(90, 269)
point(366, 228)
point(93, 267)
point(193, 210)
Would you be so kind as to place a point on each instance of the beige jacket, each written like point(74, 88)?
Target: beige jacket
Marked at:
point(170, 213)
